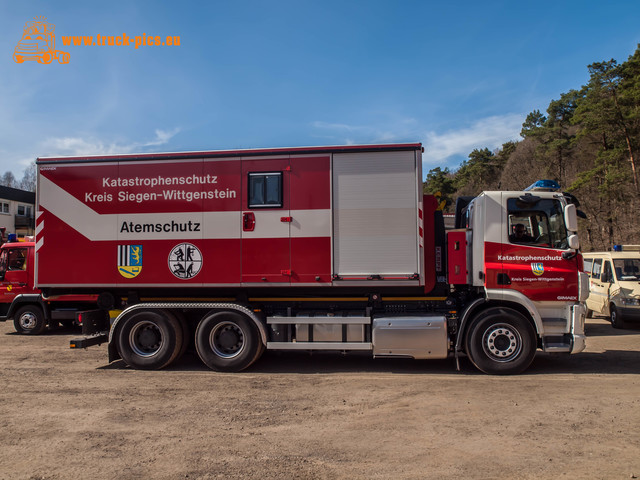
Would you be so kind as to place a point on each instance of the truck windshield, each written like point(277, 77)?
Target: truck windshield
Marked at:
point(627, 268)
point(539, 224)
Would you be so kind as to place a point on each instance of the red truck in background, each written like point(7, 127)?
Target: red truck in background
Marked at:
point(21, 301)
point(318, 248)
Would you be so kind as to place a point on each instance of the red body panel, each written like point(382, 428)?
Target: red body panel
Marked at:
point(541, 274)
point(21, 281)
point(457, 258)
point(89, 213)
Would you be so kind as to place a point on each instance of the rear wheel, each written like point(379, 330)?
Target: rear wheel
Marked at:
point(228, 341)
point(150, 340)
point(501, 341)
point(63, 57)
point(29, 320)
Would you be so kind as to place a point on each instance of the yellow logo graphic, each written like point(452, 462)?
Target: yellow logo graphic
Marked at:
point(129, 260)
point(39, 43)
point(537, 269)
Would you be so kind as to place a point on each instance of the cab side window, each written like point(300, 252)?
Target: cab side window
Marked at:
point(537, 222)
point(18, 259)
point(606, 273)
point(588, 264)
point(3, 263)
point(597, 267)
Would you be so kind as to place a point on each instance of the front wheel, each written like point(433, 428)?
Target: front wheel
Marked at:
point(614, 316)
point(501, 341)
point(29, 320)
point(228, 341)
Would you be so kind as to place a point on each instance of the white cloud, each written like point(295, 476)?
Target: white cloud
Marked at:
point(341, 133)
point(490, 132)
point(162, 137)
point(73, 146)
point(446, 149)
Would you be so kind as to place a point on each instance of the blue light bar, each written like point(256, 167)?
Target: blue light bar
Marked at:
point(544, 186)
point(617, 248)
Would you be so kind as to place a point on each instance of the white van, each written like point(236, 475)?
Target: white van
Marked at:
point(614, 284)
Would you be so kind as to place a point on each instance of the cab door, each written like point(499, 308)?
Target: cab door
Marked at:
point(14, 273)
point(266, 246)
point(532, 262)
point(606, 279)
point(598, 290)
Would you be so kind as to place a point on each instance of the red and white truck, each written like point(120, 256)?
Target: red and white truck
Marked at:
point(319, 248)
point(22, 302)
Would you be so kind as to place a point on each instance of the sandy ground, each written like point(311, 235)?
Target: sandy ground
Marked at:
point(68, 414)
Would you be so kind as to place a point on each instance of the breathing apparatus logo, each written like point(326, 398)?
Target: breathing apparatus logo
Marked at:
point(38, 43)
point(185, 261)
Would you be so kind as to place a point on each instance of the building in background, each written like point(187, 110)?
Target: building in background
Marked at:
point(17, 209)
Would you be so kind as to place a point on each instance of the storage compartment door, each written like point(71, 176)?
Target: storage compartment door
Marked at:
point(375, 216)
point(266, 220)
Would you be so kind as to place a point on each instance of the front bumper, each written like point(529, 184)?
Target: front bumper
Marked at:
point(629, 314)
point(578, 316)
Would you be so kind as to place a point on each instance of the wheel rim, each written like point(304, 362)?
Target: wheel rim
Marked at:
point(28, 321)
point(227, 340)
point(614, 316)
point(146, 339)
point(502, 342)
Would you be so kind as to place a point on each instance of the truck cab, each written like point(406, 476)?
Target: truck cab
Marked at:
point(16, 272)
point(21, 301)
point(535, 272)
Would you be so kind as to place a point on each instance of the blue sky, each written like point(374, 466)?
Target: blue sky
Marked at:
point(452, 75)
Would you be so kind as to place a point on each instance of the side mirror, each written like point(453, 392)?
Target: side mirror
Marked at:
point(571, 218)
point(574, 242)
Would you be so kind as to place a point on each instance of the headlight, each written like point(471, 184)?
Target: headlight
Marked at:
point(631, 301)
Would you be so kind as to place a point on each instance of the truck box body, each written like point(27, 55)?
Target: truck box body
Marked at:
point(319, 248)
point(301, 217)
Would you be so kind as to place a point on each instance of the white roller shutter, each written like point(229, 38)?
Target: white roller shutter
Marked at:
point(375, 214)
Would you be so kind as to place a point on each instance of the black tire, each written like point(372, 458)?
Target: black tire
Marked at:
point(228, 341)
point(501, 341)
point(186, 332)
point(149, 340)
point(614, 317)
point(29, 320)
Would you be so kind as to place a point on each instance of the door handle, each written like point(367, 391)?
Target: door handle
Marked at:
point(248, 221)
